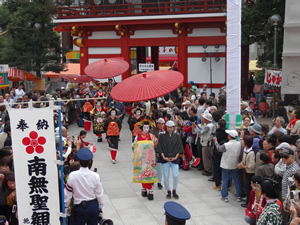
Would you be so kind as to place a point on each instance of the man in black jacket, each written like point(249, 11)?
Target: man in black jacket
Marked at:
point(222, 137)
point(170, 147)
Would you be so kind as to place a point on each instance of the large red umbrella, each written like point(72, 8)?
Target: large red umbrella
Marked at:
point(78, 79)
point(147, 86)
point(106, 68)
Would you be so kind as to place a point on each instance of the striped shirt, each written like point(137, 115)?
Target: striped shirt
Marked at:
point(289, 172)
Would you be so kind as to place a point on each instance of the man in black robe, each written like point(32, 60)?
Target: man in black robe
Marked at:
point(170, 146)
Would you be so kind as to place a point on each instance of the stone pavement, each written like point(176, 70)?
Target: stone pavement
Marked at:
point(124, 204)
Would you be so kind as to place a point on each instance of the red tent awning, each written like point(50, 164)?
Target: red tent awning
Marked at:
point(31, 77)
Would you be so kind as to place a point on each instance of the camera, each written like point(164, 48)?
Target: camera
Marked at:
point(295, 195)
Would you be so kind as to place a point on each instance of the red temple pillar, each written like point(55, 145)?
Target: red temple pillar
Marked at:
point(182, 56)
point(84, 53)
point(125, 49)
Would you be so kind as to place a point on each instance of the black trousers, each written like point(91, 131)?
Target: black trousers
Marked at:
point(195, 150)
point(243, 182)
point(199, 148)
point(217, 170)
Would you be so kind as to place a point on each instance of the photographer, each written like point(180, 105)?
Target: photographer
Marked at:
point(204, 132)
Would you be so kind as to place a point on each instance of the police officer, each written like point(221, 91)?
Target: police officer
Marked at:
point(86, 189)
point(176, 214)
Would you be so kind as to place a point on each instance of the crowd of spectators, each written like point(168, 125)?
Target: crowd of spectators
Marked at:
point(262, 163)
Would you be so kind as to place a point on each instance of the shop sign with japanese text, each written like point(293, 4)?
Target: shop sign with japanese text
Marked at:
point(273, 77)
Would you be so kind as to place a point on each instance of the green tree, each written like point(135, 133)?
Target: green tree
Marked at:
point(256, 27)
point(31, 45)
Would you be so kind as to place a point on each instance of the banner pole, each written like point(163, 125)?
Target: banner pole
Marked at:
point(61, 165)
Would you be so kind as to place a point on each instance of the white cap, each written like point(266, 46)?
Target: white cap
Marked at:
point(207, 116)
point(161, 120)
point(283, 145)
point(232, 133)
point(170, 102)
point(170, 123)
point(187, 102)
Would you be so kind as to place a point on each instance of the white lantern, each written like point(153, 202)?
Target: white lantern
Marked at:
point(97, 2)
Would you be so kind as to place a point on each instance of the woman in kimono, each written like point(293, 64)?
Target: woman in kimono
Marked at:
point(112, 126)
point(87, 106)
point(135, 118)
point(144, 158)
point(98, 118)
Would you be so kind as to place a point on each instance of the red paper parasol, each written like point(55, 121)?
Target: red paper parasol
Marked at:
point(147, 86)
point(106, 68)
point(78, 79)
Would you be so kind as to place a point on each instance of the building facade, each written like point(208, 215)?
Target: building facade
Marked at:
point(113, 28)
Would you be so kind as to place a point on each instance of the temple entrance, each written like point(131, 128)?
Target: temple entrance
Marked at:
point(153, 58)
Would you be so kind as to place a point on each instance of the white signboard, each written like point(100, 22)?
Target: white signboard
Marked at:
point(36, 175)
point(143, 67)
point(4, 68)
point(273, 78)
point(233, 56)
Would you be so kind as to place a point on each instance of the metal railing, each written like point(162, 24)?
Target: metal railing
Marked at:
point(142, 9)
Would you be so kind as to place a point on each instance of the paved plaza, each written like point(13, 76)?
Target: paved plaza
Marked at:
point(125, 205)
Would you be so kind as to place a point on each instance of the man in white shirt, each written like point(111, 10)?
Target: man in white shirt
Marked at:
point(86, 189)
point(19, 93)
point(231, 157)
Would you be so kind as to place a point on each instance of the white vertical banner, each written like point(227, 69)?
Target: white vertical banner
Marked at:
point(233, 54)
point(291, 49)
point(36, 175)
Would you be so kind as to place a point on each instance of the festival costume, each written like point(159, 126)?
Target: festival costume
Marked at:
point(98, 118)
point(111, 126)
point(86, 108)
point(190, 147)
point(250, 211)
point(144, 162)
point(134, 120)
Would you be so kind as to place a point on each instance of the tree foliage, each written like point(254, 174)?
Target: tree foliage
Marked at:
point(31, 44)
point(256, 27)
